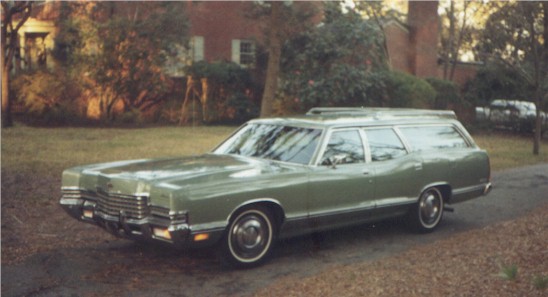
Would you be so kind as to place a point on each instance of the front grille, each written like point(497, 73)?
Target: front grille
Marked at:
point(159, 212)
point(77, 194)
point(132, 207)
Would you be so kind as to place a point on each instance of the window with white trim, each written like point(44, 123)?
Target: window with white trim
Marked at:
point(243, 52)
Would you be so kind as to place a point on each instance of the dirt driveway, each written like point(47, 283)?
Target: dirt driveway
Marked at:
point(46, 253)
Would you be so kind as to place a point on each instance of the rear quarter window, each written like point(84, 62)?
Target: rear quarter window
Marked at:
point(384, 144)
point(424, 138)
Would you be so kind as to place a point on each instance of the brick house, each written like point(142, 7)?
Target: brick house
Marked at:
point(221, 31)
point(36, 38)
point(413, 47)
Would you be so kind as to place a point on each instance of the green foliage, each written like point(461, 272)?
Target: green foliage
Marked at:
point(230, 91)
point(515, 37)
point(447, 93)
point(496, 82)
point(509, 272)
point(398, 89)
point(540, 282)
point(230, 76)
point(131, 117)
point(330, 64)
point(507, 33)
point(239, 108)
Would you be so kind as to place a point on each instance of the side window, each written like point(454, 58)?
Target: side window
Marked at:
point(345, 146)
point(433, 137)
point(384, 144)
point(243, 52)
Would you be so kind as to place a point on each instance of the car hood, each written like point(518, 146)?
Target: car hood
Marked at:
point(137, 176)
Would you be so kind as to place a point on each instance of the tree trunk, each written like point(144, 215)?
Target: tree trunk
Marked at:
point(6, 104)
point(274, 55)
point(541, 77)
point(9, 10)
point(450, 42)
point(538, 120)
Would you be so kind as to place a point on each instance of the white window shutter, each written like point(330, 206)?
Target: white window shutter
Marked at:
point(198, 48)
point(236, 51)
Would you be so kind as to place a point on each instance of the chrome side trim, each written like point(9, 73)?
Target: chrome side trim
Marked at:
point(474, 188)
point(467, 193)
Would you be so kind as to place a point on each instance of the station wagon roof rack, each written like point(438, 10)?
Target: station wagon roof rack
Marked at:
point(380, 112)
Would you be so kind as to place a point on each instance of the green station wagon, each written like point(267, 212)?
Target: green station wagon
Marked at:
point(282, 177)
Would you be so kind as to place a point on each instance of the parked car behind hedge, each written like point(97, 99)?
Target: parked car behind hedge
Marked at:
point(511, 114)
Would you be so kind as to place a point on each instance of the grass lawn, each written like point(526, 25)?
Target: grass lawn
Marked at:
point(510, 150)
point(50, 150)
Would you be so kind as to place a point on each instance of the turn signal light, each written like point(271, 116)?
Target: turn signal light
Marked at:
point(200, 237)
point(88, 214)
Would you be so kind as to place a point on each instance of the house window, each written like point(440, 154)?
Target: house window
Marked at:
point(243, 52)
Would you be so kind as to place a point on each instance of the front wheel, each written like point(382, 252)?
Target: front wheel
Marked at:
point(249, 238)
point(426, 215)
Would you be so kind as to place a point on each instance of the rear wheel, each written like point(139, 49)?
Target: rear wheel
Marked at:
point(249, 238)
point(426, 215)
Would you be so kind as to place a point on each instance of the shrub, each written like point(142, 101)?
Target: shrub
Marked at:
point(48, 97)
point(496, 82)
point(397, 89)
point(231, 91)
point(329, 65)
point(447, 93)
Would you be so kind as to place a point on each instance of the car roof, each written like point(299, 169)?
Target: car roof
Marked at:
point(512, 102)
point(348, 117)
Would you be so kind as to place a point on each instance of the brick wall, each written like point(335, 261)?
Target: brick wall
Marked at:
point(423, 22)
point(397, 42)
point(463, 72)
point(219, 22)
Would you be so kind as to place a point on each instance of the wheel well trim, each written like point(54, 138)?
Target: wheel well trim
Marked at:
point(258, 201)
point(444, 188)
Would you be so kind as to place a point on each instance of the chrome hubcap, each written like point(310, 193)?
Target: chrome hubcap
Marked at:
point(430, 208)
point(250, 237)
point(249, 234)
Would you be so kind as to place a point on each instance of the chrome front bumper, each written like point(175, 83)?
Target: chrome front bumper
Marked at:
point(149, 228)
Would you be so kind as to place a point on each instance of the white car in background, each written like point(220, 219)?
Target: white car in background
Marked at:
point(511, 114)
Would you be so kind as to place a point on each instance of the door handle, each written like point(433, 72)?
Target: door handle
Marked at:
point(366, 172)
point(418, 166)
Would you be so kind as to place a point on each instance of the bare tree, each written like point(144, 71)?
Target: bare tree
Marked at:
point(460, 26)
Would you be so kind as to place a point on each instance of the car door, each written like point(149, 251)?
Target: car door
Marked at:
point(397, 171)
point(341, 186)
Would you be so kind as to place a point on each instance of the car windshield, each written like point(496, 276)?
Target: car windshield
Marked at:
point(273, 142)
